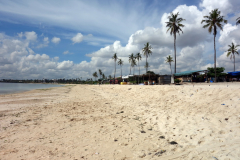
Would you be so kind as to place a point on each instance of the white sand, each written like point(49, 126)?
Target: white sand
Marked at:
point(122, 122)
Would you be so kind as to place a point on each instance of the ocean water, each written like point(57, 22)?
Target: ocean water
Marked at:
point(7, 88)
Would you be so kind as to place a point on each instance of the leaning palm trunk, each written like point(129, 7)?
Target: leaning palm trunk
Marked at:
point(175, 52)
point(215, 80)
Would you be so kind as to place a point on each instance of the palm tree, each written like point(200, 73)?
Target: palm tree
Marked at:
point(133, 64)
point(103, 76)
point(231, 51)
point(110, 77)
point(95, 75)
point(131, 59)
point(100, 72)
point(115, 59)
point(138, 57)
point(169, 60)
point(213, 21)
point(174, 25)
point(147, 52)
point(120, 62)
point(238, 21)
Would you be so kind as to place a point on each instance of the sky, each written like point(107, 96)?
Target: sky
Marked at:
point(73, 39)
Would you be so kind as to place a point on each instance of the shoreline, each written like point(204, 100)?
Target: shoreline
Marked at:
point(123, 122)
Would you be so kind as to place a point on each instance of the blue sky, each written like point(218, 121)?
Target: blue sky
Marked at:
point(56, 39)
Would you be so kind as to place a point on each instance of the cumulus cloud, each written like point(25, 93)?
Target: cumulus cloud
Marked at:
point(78, 38)
point(31, 36)
point(56, 40)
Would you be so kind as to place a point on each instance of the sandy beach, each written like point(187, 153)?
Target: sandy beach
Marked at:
point(113, 122)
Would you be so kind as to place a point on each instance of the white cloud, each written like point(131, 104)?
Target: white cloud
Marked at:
point(67, 52)
point(65, 65)
point(44, 44)
point(31, 36)
point(78, 38)
point(56, 40)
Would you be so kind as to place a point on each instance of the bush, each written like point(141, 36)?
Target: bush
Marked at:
point(177, 81)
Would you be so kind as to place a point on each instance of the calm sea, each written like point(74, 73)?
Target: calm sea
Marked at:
point(7, 88)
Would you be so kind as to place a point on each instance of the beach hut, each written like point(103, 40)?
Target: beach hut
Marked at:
point(189, 76)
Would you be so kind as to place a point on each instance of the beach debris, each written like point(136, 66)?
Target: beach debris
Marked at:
point(162, 137)
point(122, 112)
point(142, 131)
point(223, 104)
point(129, 88)
point(215, 158)
point(160, 153)
point(142, 155)
point(191, 95)
point(173, 142)
point(96, 153)
point(226, 119)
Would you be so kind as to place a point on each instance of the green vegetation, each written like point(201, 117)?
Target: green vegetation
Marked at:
point(177, 81)
point(219, 72)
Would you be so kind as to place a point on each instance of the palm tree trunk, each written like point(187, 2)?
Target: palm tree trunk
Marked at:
point(121, 71)
point(234, 62)
point(170, 68)
point(146, 65)
point(139, 72)
point(175, 52)
point(114, 72)
point(215, 80)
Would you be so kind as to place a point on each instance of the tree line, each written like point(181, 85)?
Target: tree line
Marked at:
point(212, 22)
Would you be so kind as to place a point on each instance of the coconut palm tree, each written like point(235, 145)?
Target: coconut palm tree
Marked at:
point(120, 62)
point(238, 21)
point(131, 59)
point(147, 52)
point(115, 59)
point(133, 64)
point(138, 57)
point(214, 21)
point(174, 25)
point(232, 51)
point(100, 72)
point(169, 60)
point(103, 76)
point(95, 75)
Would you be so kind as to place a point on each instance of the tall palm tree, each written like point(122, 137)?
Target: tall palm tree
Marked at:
point(231, 51)
point(238, 21)
point(103, 76)
point(120, 62)
point(131, 59)
point(147, 52)
point(169, 60)
point(138, 57)
point(95, 75)
point(115, 59)
point(214, 21)
point(100, 73)
point(174, 25)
